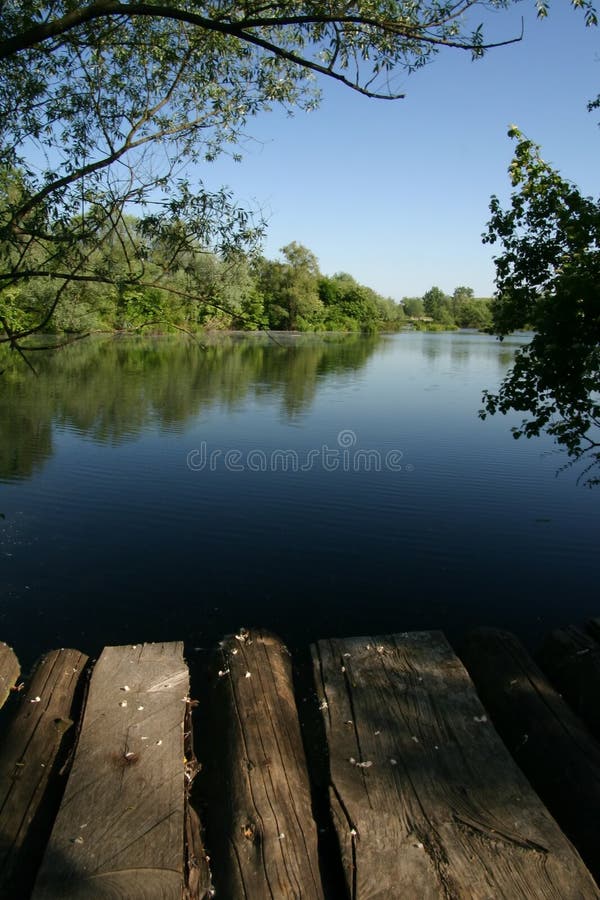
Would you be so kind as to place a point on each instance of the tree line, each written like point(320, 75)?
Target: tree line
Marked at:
point(461, 309)
point(202, 290)
point(239, 291)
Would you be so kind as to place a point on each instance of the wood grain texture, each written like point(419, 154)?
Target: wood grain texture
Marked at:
point(266, 828)
point(28, 753)
point(426, 799)
point(9, 671)
point(548, 741)
point(571, 660)
point(120, 829)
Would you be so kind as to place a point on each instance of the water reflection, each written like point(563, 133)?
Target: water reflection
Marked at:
point(462, 348)
point(111, 390)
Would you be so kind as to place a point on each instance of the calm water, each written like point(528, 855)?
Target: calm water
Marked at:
point(152, 489)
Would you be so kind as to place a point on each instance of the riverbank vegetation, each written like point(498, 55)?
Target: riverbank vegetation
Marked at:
point(238, 291)
point(437, 311)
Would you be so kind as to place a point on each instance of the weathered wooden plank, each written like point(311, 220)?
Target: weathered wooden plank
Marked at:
point(425, 797)
point(30, 784)
point(263, 836)
point(549, 742)
point(120, 828)
point(9, 671)
point(571, 659)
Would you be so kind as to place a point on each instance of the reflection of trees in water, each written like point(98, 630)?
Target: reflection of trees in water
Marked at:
point(463, 349)
point(110, 390)
point(25, 442)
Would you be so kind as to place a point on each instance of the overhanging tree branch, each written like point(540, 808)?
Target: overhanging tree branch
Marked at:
point(103, 9)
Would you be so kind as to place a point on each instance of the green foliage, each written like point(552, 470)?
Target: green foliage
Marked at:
point(548, 277)
point(437, 305)
point(461, 310)
point(587, 7)
point(298, 290)
point(146, 306)
point(11, 309)
point(350, 306)
point(473, 313)
point(296, 296)
point(119, 98)
point(413, 306)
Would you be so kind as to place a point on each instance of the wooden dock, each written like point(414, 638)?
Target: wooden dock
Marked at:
point(380, 772)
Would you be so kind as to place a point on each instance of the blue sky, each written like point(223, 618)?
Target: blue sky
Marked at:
point(397, 193)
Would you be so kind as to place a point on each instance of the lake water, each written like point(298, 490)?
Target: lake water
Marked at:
point(152, 489)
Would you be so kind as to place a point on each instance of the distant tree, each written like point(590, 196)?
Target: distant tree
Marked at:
point(548, 278)
point(469, 312)
point(474, 313)
point(349, 305)
point(391, 314)
point(462, 293)
point(459, 296)
point(269, 279)
point(300, 288)
point(413, 307)
point(437, 305)
point(291, 289)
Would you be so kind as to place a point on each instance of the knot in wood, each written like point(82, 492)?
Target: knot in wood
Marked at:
point(249, 831)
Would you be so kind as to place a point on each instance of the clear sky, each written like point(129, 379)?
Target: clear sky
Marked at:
point(397, 193)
